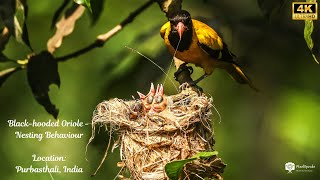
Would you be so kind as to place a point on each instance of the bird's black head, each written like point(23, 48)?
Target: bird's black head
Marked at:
point(180, 22)
point(181, 29)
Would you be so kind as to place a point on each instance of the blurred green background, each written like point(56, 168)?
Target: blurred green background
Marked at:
point(258, 132)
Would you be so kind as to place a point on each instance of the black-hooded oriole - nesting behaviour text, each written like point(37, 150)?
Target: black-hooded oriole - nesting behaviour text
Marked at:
point(195, 42)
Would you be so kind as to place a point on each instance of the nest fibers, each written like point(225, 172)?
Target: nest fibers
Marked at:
point(149, 140)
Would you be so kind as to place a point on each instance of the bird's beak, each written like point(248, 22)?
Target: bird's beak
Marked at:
point(180, 29)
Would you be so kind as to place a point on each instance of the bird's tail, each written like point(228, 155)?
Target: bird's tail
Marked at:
point(237, 74)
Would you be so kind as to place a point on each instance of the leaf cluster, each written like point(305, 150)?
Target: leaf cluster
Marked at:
point(41, 68)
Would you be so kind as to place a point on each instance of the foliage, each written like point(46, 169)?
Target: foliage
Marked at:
point(42, 68)
point(271, 10)
point(174, 168)
point(308, 29)
point(85, 3)
point(14, 14)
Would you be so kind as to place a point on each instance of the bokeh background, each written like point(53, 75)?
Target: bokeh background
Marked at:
point(258, 132)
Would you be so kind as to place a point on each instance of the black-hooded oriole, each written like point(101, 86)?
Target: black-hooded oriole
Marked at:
point(199, 44)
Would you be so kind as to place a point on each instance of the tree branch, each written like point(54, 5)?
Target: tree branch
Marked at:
point(101, 39)
point(170, 6)
point(65, 27)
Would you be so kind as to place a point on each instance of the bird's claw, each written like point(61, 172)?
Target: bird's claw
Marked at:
point(182, 68)
point(183, 86)
point(194, 86)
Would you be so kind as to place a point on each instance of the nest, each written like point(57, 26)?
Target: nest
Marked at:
point(149, 140)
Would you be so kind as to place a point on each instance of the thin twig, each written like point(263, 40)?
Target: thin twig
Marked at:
point(101, 39)
point(104, 156)
point(8, 71)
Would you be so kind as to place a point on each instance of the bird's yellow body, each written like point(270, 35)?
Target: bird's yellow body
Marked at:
point(205, 49)
point(195, 54)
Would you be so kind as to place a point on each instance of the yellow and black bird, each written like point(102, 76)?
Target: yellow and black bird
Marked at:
point(195, 42)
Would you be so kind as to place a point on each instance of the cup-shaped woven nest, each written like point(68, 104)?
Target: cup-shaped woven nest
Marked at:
point(149, 140)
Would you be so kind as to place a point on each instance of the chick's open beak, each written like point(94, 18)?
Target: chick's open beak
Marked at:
point(180, 29)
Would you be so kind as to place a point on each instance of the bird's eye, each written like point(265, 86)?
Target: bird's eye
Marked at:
point(158, 99)
point(149, 99)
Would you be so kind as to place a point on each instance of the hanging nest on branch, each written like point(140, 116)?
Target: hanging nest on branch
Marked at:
point(153, 131)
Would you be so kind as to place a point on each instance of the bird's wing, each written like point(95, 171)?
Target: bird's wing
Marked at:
point(164, 29)
point(212, 44)
point(207, 36)
point(210, 41)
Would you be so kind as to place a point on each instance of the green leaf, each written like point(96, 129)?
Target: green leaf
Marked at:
point(20, 18)
point(4, 58)
point(202, 155)
point(97, 8)
point(42, 71)
point(173, 169)
point(308, 29)
point(4, 74)
point(85, 3)
point(14, 14)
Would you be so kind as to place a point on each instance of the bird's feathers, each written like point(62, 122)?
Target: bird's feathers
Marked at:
point(208, 51)
point(164, 29)
point(207, 36)
point(238, 75)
